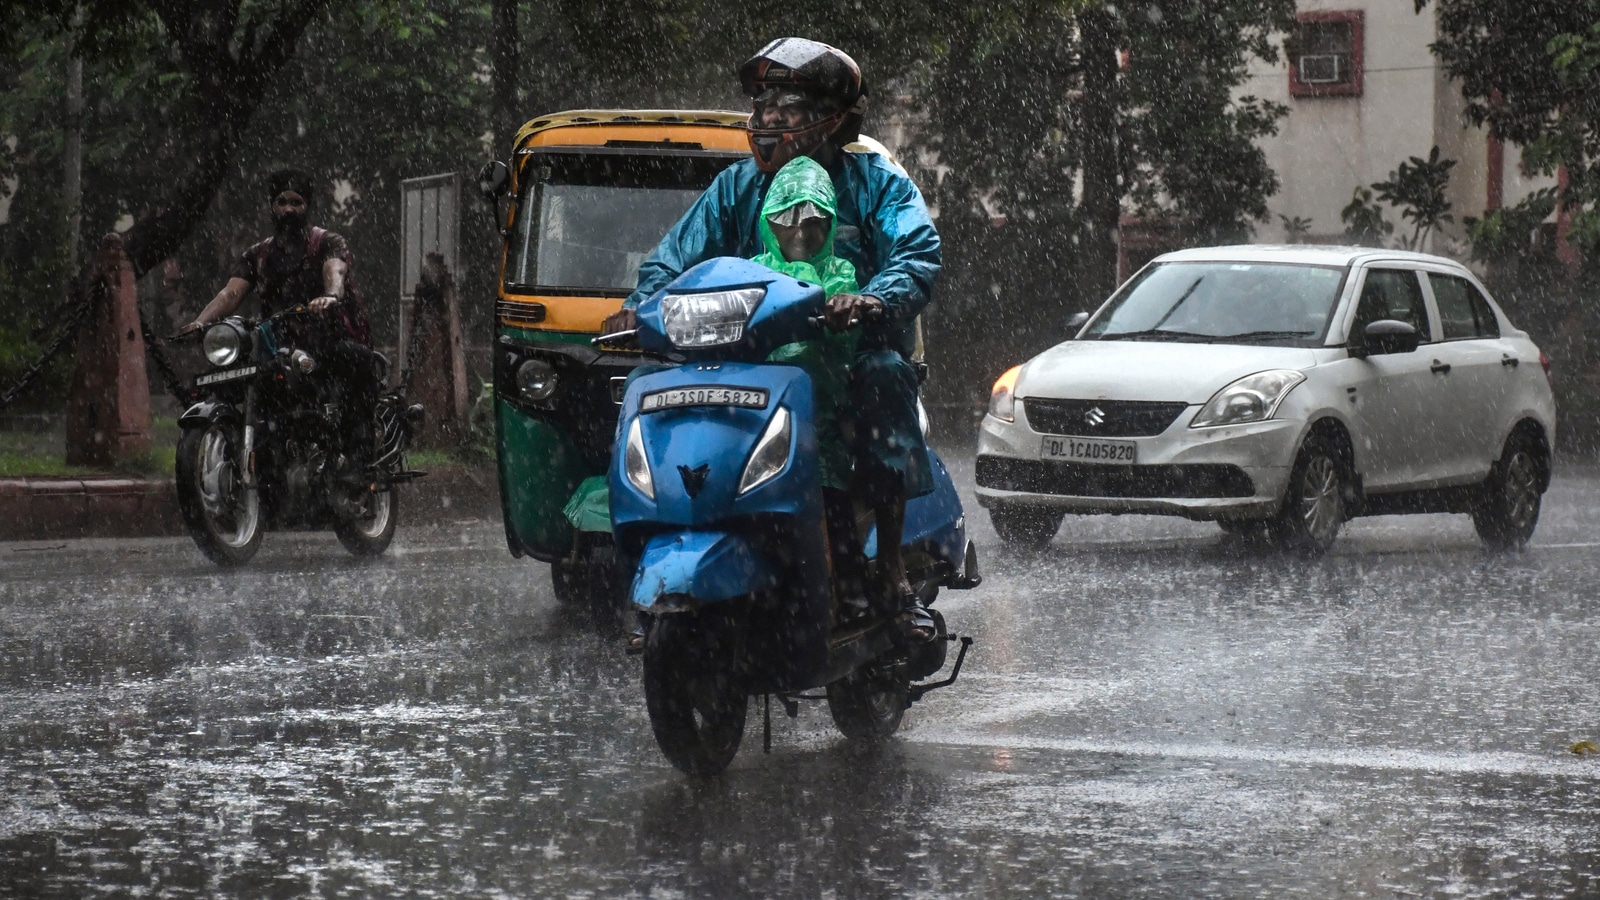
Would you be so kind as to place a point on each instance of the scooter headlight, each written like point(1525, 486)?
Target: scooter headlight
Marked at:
point(635, 464)
point(771, 453)
point(222, 344)
point(710, 319)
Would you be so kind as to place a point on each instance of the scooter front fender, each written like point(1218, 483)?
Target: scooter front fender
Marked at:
point(689, 569)
point(205, 410)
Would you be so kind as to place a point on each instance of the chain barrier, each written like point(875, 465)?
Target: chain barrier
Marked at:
point(74, 323)
point(176, 386)
point(413, 345)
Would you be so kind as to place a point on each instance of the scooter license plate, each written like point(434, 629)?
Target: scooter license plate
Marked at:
point(1089, 450)
point(673, 398)
point(229, 375)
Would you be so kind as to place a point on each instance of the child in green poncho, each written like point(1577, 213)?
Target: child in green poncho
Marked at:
point(797, 226)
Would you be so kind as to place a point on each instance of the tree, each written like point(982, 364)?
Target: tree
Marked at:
point(1418, 188)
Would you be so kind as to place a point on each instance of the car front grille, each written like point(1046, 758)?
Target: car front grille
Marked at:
point(1101, 418)
point(1174, 482)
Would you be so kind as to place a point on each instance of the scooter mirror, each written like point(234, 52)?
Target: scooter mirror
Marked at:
point(492, 179)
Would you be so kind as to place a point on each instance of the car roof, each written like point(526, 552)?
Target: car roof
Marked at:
point(1304, 254)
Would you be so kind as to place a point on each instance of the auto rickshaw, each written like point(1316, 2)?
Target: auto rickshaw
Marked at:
point(589, 195)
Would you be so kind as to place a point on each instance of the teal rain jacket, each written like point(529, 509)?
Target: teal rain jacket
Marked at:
point(882, 229)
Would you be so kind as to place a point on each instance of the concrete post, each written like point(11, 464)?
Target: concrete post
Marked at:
point(439, 373)
point(108, 407)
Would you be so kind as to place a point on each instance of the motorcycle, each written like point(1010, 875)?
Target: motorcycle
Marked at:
point(261, 446)
point(718, 508)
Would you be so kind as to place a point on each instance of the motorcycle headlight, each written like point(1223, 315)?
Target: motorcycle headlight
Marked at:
point(1002, 403)
point(222, 344)
point(711, 319)
point(634, 463)
point(771, 453)
point(536, 379)
point(1253, 398)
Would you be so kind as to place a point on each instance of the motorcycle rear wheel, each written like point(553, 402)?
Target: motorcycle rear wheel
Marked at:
point(696, 702)
point(868, 705)
point(222, 515)
point(370, 533)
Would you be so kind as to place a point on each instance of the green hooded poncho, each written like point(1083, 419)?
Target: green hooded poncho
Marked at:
point(827, 358)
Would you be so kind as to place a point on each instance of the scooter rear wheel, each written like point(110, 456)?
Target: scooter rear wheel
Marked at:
point(868, 705)
point(696, 703)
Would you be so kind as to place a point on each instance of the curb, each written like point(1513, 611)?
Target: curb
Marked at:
point(34, 509)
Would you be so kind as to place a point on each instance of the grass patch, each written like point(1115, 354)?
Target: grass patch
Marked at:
point(43, 455)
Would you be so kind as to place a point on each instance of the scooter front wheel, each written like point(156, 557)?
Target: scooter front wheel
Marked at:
point(696, 702)
point(868, 705)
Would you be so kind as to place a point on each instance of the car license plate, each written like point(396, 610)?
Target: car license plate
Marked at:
point(1089, 450)
point(229, 375)
point(748, 398)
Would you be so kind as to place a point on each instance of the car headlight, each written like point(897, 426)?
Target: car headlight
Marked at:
point(222, 344)
point(711, 319)
point(536, 379)
point(1253, 398)
point(634, 463)
point(771, 453)
point(1002, 405)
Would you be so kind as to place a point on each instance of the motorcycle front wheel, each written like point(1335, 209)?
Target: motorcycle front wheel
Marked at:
point(223, 516)
point(696, 702)
point(369, 532)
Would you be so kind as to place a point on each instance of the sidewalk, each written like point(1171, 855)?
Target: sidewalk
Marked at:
point(34, 509)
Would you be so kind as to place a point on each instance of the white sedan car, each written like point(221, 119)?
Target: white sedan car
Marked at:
point(1278, 391)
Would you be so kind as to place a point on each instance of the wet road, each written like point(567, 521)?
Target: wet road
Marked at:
point(1146, 714)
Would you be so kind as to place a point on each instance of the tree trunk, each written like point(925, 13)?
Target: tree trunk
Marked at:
point(1102, 191)
point(507, 117)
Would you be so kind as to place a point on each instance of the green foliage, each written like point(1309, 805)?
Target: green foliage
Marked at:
point(1418, 189)
point(1295, 229)
point(1364, 222)
point(1510, 232)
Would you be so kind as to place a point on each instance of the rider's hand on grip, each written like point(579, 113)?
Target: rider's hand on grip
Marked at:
point(622, 320)
point(324, 303)
point(845, 311)
point(189, 332)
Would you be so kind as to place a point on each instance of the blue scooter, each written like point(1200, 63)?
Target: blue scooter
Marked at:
point(716, 499)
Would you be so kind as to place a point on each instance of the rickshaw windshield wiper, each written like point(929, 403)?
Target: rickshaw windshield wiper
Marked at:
point(1157, 334)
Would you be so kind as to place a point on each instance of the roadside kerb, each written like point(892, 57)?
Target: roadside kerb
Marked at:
point(34, 509)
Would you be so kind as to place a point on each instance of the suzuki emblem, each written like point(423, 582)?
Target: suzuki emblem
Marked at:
point(1095, 416)
point(694, 479)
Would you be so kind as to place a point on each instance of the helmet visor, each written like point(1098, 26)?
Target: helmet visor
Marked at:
point(782, 108)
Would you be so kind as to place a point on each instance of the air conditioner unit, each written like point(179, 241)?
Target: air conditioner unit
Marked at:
point(1327, 69)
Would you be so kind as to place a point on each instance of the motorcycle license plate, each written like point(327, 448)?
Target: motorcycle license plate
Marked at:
point(1089, 450)
point(229, 375)
point(672, 398)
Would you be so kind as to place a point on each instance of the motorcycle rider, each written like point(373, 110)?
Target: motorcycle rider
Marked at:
point(807, 100)
point(310, 266)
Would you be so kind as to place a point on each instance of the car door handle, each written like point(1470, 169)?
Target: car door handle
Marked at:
point(1509, 360)
point(1439, 368)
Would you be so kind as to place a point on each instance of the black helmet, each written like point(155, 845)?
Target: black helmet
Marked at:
point(820, 84)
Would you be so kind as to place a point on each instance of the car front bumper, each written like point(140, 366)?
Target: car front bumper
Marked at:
point(1231, 472)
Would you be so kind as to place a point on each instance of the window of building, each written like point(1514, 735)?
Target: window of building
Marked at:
point(1325, 54)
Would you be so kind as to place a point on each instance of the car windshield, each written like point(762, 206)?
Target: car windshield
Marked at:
point(585, 223)
point(1223, 303)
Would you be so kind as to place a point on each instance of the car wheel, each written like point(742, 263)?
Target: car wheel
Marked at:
point(1507, 511)
point(1029, 526)
point(1313, 504)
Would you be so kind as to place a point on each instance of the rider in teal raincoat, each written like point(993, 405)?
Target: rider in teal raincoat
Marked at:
point(808, 100)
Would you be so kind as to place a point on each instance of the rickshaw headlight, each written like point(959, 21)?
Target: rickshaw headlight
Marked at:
point(710, 319)
point(634, 463)
point(536, 379)
point(771, 453)
point(222, 344)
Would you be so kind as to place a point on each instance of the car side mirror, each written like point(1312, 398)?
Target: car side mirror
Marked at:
point(1390, 336)
point(1076, 321)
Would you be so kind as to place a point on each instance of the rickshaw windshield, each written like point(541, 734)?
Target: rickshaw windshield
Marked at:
point(585, 221)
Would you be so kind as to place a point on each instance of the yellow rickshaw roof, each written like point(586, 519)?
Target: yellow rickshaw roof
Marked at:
point(644, 119)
